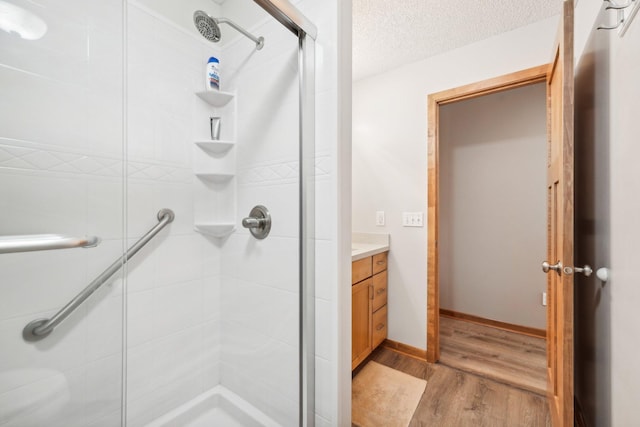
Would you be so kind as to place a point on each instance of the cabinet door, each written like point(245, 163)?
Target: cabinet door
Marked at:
point(360, 321)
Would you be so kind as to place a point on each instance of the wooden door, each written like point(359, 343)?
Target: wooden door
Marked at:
point(360, 321)
point(560, 225)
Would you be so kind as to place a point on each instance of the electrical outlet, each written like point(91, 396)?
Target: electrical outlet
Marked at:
point(412, 219)
point(380, 218)
point(544, 298)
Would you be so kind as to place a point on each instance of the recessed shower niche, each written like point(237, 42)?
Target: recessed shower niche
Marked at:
point(215, 168)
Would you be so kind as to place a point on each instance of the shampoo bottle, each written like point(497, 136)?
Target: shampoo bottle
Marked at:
point(213, 74)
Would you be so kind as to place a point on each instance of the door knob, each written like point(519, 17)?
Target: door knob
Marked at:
point(557, 267)
point(586, 270)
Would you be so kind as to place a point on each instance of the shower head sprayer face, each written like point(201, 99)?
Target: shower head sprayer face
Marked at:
point(207, 26)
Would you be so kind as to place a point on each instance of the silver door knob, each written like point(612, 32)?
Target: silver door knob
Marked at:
point(586, 270)
point(557, 267)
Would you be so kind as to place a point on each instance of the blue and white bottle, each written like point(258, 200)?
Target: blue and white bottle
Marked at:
point(213, 74)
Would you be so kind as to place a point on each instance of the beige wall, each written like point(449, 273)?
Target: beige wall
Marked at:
point(492, 206)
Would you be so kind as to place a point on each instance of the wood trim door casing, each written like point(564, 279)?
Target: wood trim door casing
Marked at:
point(434, 101)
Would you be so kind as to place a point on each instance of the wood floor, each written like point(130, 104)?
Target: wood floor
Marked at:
point(504, 356)
point(454, 398)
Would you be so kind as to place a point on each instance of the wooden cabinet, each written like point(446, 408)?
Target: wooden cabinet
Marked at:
point(368, 306)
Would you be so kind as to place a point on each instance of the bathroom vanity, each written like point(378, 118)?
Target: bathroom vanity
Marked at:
point(368, 295)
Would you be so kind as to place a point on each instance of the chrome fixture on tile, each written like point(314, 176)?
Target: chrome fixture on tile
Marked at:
point(40, 328)
point(209, 27)
point(258, 222)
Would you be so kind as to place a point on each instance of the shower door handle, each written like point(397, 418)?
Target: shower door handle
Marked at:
point(44, 242)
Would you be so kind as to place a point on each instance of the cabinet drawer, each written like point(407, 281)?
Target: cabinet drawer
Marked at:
point(379, 290)
point(379, 326)
point(360, 270)
point(379, 262)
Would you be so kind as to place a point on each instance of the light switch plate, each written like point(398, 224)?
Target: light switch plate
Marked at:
point(412, 219)
point(380, 218)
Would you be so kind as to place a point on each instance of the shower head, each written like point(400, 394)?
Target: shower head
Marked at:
point(209, 27)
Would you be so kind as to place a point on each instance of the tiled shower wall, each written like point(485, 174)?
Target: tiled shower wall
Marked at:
point(173, 322)
point(260, 277)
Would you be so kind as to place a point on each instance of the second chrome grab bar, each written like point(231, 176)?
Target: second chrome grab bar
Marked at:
point(44, 242)
point(40, 328)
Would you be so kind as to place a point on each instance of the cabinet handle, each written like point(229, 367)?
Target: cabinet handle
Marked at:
point(380, 327)
point(379, 262)
point(380, 291)
point(370, 291)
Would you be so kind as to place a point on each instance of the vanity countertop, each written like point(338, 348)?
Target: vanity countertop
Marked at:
point(364, 245)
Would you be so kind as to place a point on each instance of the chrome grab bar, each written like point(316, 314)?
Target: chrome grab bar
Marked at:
point(44, 242)
point(40, 328)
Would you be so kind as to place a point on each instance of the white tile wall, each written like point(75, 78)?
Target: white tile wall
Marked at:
point(260, 278)
point(174, 283)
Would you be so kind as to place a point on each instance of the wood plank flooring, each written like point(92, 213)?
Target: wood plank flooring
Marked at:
point(504, 356)
point(454, 398)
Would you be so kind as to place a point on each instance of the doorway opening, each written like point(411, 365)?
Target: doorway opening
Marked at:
point(486, 228)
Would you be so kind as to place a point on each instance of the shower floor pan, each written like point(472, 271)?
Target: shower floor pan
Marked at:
point(216, 407)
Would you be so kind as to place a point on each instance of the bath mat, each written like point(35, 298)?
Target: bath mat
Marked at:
point(384, 397)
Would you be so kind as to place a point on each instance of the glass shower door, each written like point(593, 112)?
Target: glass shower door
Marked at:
point(61, 173)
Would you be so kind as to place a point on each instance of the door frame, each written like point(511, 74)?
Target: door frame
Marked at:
point(434, 101)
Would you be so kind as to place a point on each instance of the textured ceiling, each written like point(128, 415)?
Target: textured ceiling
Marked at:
point(387, 34)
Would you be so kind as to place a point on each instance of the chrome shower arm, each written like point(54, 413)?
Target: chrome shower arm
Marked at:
point(259, 41)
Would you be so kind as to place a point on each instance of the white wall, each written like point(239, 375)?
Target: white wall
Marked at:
point(608, 377)
point(625, 231)
point(389, 153)
point(493, 206)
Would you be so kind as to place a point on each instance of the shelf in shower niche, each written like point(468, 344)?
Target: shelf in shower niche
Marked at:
point(215, 146)
point(215, 230)
point(215, 177)
point(215, 97)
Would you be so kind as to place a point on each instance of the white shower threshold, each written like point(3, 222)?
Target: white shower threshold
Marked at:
point(216, 407)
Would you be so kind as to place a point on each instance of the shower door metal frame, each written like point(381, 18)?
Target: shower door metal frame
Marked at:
point(289, 16)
